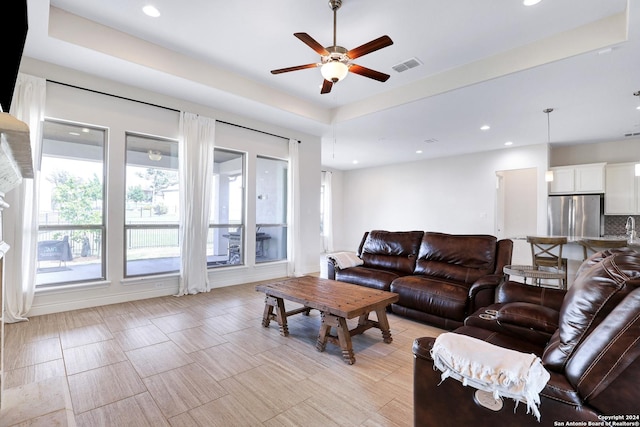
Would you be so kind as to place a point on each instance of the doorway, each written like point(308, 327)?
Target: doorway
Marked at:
point(516, 210)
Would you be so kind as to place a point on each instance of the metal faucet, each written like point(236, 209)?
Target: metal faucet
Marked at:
point(631, 229)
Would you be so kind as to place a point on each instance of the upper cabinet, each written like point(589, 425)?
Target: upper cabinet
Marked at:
point(578, 179)
point(622, 196)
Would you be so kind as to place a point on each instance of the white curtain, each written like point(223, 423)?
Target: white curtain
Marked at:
point(293, 217)
point(20, 220)
point(196, 172)
point(327, 209)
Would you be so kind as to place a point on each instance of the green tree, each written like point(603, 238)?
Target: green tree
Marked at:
point(136, 194)
point(76, 199)
point(159, 180)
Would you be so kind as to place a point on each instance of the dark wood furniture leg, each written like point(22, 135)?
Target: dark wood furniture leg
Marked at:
point(343, 339)
point(280, 315)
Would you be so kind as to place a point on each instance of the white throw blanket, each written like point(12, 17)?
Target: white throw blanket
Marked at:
point(503, 372)
point(345, 259)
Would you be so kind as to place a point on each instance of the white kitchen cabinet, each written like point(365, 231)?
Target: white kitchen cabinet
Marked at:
point(622, 192)
point(578, 179)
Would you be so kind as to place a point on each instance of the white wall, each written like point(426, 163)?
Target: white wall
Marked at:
point(452, 195)
point(118, 115)
point(621, 151)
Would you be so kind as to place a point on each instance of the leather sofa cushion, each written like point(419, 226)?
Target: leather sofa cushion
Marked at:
point(594, 293)
point(600, 367)
point(391, 250)
point(369, 277)
point(460, 258)
point(432, 295)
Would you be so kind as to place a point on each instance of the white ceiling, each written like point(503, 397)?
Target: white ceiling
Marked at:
point(484, 62)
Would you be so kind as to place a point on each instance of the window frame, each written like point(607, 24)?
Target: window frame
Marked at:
point(142, 226)
point(70, 227)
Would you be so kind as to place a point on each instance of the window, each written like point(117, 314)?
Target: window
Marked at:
point(71, 221)
point(225, 242)
point(152, 206)
point(271, 209)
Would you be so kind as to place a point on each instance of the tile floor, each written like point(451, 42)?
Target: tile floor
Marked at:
point(205, 360)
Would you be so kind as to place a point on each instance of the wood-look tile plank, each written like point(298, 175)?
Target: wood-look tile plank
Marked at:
point(258, 392)
point(157, 358)
point(34, 373)
point(91, 356)
point(131, 339)
point(183, 388)
point(300, 415)
point(126, 321)
point(224, 360)
point(176, 322)
point(194, 339)
point(102, 386)
point(78, 318)
point(223, 412)
point(139, 410)
point(84, 335)
point(399, 412)
point(32, 353)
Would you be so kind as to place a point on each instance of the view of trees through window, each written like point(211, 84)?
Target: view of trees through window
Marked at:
point(71, 214)
point(72, 237)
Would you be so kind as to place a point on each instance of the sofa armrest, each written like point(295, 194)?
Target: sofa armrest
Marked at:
point(331, 269)
point(519, 292)
point(530, 316)
point(482, 292)
point(422, 347)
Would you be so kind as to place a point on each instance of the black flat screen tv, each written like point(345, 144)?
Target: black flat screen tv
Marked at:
point(13, 33)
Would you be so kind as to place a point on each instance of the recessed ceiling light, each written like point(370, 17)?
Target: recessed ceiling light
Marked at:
point(419, 152)
point(74, 133)
point(151, 11)
point(355, 162)
point(85, 130)
point(485, 127)
point(508, 143)
point(530, 2)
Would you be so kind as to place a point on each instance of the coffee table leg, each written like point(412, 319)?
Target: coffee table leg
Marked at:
point(325, 329)
point(344, 336)
point(281, 314)
point(383, 324)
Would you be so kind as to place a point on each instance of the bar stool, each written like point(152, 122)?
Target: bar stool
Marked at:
point(591, 246)
point(542, 256)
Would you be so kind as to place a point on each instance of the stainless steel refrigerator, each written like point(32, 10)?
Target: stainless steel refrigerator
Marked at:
point(575, 216)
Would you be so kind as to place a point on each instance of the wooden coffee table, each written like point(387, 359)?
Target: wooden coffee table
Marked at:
point(337, 302)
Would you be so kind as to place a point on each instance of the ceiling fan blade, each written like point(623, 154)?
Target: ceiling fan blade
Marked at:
point(296, 68)
point(372, 46)
point(309, 41)
point(326, 86)
point(368, 72)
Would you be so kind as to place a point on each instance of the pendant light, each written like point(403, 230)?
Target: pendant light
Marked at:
point(548, 176)
point(637, 165)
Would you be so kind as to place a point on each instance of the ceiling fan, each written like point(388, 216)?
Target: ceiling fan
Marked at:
point(336, 60)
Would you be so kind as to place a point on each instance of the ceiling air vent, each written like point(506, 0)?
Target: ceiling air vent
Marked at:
point(409, 63)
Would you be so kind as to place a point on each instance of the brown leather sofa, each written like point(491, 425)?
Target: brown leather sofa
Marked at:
point(587, 337)
point(441, 278)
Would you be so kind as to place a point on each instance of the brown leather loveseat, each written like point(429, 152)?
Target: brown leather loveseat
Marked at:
point(441, 278)
point(588, 338)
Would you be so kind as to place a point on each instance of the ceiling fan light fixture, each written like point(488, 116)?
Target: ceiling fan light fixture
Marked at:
point(154, 155)
point(334, 71)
